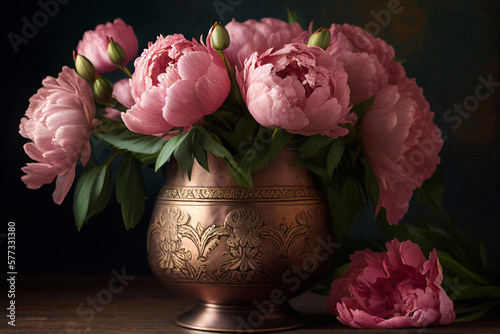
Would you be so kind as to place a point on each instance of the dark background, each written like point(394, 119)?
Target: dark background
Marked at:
point(447, 45)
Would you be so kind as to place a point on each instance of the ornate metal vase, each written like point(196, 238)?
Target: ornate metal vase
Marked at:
point(241, 253)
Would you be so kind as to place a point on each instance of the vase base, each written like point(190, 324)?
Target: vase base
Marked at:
point(241, 319)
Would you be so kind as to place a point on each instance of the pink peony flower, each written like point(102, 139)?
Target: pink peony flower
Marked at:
point(176, 82)
point(299, 88)
point(94, 44)
point(401, 144)
point(259, 36)
point(366, 74)
point(59, 121)
point(121, 92)
point(393, 289)
point(360, 40)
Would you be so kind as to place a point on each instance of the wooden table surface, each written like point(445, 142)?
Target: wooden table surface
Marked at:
point(140, 304)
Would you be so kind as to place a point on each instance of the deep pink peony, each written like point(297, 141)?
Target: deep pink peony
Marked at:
point(59, 121)
point(259, 36)
point(94, 44)
point(298, 88)
point(393, 289)
point(401, 143)
point(176, 82)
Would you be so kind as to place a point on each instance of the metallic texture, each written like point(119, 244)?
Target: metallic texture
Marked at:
point(241, 253)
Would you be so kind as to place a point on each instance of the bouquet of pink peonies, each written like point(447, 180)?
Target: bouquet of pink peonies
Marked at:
point(248, 91)
point(245, 93)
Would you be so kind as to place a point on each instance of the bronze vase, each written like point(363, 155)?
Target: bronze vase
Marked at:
point(241, 253)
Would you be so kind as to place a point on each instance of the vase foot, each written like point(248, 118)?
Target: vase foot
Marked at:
point(241, 319)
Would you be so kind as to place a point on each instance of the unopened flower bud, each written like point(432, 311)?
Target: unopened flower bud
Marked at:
point(115, 52)
point(103, 90)
point(219, 37)
point(84, 68)
point(320, 38)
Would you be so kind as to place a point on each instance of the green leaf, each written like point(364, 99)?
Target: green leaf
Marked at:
point(313, 145)
point(475, 292)
point(292, 16)
point(314, 168)
point(242, 178)
point(92, 193)
point(431, 193)
point(334, 156)
point(448, 262)
point(147, 159)
point(362, 108)
point(257, 156)
point(464, 246)
point(478, 311)
point(279, 142)
point(184, 154)
point(343, 199)
point(118, 135)
point(208, 142)
point(101, 193)
point(131, 191)
point(483, 254)
point(168, 149)
point(201, 156)
point(240, 138)
point(371, 183)
point(83, 192)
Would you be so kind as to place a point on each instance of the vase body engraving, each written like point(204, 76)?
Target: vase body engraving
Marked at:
point(233, 249)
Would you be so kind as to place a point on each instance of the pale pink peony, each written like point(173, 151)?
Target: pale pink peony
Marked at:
point(176, 82)
point(94, 44)
point(259, 36)
point(401, 143)
point(121, 92)
point(298, 88)
point(394, 289)
point(59, 121)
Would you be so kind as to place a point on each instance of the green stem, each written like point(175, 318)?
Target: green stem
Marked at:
point(276, 130)
point(221, 53)
point(114, 103)
point(114, 155)
point(223, 121)
point(356, 154)
point(125, 70)
point(235, 89)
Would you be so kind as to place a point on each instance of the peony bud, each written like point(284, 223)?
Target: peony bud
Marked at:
point(103, 90)
point(84, 68)
point(320, 38)
point(219, 37)
point(115, 52)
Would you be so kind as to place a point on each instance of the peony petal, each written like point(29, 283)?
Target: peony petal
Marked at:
point(411, 254)
point(141, 121)
point(391, 289)
point(194, 65)
point(63, 185)
point(213, 89)
point(59, 121)
point(182, 104)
